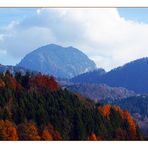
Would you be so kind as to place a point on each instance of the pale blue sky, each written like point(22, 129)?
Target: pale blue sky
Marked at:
point(101, 34)
point(10, 14)
point(136, 14)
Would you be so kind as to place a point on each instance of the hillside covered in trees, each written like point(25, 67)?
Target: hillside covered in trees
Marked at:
point(35, 107)
point(137, 106)
point(99, 92)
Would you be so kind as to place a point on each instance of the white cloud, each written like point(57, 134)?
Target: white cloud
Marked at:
point(102, 34)
point(3, 52)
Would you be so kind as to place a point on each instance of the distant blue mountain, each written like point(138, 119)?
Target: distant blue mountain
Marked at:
point(89, 77)
point(133, 76)
point(62, 62)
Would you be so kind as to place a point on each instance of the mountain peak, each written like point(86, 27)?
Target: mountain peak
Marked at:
point(56, 60)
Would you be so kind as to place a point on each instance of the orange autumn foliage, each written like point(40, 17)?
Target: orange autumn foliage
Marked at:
point(42, 81)
point(14, 84)
point(119, 110)
point(7, 131)
point(11, 82)
point(105, 110)
point(127, 116)
point(2, 83)
point(28, 131)
point(132, 124)
point(92, 137)
point(50, 133)
point(46, 135)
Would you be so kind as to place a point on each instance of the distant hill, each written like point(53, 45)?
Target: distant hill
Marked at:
point(13, 69)
point(133, 76)
point(89, 77)
point(62, 62)
point(100, 91)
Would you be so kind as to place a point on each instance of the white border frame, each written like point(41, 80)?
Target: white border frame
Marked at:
point(73, 3)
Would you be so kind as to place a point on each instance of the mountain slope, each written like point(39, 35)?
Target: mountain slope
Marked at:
point(89, 77)
point(34, 107)
point(62, 62)
point(132, 76)
point(99, 92)
point(138, 107)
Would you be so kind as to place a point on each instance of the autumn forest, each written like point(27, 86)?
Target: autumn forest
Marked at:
point(36, 107)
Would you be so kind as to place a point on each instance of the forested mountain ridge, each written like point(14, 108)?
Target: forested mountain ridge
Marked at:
point(132, 76)
point(89, 77)
point(13, 69)
point(34, 107)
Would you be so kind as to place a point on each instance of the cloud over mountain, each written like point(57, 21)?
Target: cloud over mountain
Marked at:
point(106, 37)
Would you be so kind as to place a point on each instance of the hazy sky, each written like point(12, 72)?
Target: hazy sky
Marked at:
point(111, 37)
